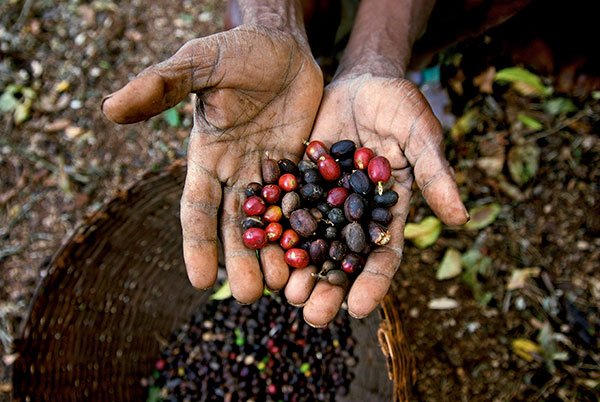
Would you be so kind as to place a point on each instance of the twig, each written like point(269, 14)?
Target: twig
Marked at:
point(23, 15)
point(565, 123)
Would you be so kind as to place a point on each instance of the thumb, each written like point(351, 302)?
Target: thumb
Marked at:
point(165, 84)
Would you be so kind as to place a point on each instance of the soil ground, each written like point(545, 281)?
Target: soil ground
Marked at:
point(497, 339)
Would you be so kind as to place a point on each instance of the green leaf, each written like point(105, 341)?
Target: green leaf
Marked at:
point(224, 292)
point(558, 106)
point(482, 216)
point(523, 162)
point(8, 102)
point(524, 81)
point(304, 367)
point(424, 233)
point(530, 122)
point(475, 263)
point(450, 266)
point(465, 124)
point(153, 394)
point(187, 18)
point(172, 117)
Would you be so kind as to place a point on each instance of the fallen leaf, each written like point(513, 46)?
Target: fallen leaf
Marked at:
point(482, 216)
point(518, 278)
point(530, 122)
point(491, 165)
point(465, 124)
point(559, 106)
point(523, 162)
point(450, 267)
point(224, 292)
point(62, 86)
point(526, 348)
point(442, 303)
point(172, 117)
point(73, 132)
point(523, 81)
point(424, 233)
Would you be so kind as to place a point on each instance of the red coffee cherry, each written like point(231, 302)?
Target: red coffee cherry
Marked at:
point(273, 230)
point(336, 196)
point(297, 258)
point(271, 193)
point(315, 149)
point(289, 239)
point(254, 206)
point(255, 238)
point(288, 182)
point(380, 171)
point(273, 214)
point(362, 156)
point(329, 168)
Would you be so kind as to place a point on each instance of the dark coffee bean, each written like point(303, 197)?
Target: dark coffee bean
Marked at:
point(318, 251)
point(389, 198)
point(287, 166)
point(378, 234)
point(331, 232)
point(311, 176)
point(305, 245)
point(337, 277)
point(354, 236)
point(302, 221)
point(354, 207)
point(343, 149)
point(337, 250)
point(289, 203)
point(346, 164)
point(311, 192)
point(323, 207)
point(317, 214)
point(270, 171)
point(360, 182)
point(336, 216)
point(305, 165)
point(382, 215)
point(252, 222)
point(253, 189)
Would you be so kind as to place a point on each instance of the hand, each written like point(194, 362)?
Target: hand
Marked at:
point(392, 117)
point(258, 90)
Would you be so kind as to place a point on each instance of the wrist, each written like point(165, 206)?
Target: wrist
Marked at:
point(282, 15)
point(382, 38)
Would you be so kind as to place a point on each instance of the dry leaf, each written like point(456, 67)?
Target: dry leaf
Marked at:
point(519, 277)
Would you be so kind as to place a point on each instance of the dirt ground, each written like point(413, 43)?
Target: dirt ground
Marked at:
point(518, 322)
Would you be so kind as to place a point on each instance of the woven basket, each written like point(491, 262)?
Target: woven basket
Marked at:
point(118, 286)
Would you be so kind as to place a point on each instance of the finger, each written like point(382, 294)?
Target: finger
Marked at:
point(199, 206)
point(323, 304)
point(373, 282)
point(433, 174)
point(300, 284)
point(243, 269)
point(275, 270)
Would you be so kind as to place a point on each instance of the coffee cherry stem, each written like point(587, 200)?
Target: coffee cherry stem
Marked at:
point(379, 187)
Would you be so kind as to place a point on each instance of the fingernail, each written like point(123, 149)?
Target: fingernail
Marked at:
point(314, 325)
point(358, 317)
point(297, 304)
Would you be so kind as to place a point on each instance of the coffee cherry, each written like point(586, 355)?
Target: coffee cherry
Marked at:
point(302, 221)
point(287, 166)
point(337, 277)
point(382, 215)
point(312, 176)
point(317, 214)
point(331, 232)
point(336, 196)
point(271, 193)
point(344, 181)
point(323, 207)
point(360, 183)
point(318, 251)
point(387, 199)
point(255, 238)
point(297, 258)
point(337, 250)
point(274, 231)
point(378, 234)
point(343, 149)
point(290, 203)
point(354, 207)
point(305, 165)
point(354, 236)
point(329, 168)
point(270, 171)
point(288, 182)
point(362, 156)
point(346, 164)
point(351, 263)
point(328, 266)
point(315, 149)
point(252, 222)
point(336, 216)
point(380, 171)
point(273, 213)
point(254, 206)
point(289, 239)
point(311, 192)
point(253, 189)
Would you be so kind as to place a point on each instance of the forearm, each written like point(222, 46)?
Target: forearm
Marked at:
point(382, 37)
point(284, 15)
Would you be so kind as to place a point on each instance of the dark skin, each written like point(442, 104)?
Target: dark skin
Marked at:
point(260, 94)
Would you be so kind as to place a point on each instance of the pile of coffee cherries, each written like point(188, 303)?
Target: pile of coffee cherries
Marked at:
point(261, 352)
point(329, 210)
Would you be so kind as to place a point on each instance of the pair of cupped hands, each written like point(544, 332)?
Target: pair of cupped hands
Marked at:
point(259, 93)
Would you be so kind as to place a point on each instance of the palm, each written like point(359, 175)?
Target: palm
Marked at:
point(258, 91)
point(391, 117)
